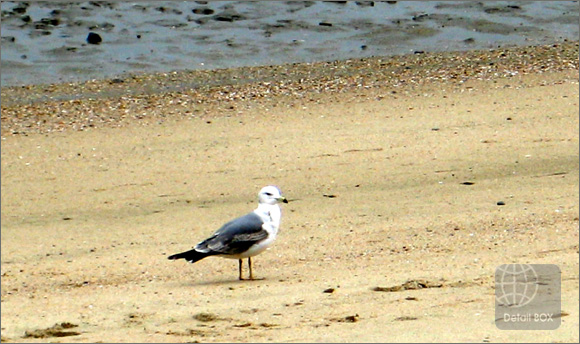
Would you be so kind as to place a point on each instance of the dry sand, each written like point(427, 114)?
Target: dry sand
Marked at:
point(375, 183)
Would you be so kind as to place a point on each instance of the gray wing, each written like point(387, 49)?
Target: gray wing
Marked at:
point(235, 237)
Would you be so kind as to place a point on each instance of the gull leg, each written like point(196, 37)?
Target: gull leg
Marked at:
point(250, 266)
point(251, 272)
point(240, 264)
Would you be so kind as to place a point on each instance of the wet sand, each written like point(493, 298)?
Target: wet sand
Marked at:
point(390, 180)
point(47, 42)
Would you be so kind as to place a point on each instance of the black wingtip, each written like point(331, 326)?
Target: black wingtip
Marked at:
point(191, 256)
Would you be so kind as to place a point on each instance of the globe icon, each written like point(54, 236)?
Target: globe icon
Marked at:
point(516, 284)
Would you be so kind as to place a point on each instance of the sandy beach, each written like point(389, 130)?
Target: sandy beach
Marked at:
point(410, 181)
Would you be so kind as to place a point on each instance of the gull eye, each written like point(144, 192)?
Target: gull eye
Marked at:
point(268, 194)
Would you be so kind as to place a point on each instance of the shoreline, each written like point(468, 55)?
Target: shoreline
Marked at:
point(143, 97)
point(47, 42)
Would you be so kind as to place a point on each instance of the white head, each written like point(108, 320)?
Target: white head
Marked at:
point(271, 195)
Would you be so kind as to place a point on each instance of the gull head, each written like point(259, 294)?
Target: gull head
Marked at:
point(271, 195)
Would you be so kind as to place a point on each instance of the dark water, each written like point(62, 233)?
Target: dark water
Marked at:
point(46, 42)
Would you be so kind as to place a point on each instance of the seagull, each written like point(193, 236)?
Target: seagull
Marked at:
point(245, 236)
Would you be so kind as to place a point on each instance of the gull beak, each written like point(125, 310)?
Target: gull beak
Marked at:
point(282, 199)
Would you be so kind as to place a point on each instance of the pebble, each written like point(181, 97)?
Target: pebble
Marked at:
point(50, 21)
point(21, 8)
point(204, 11)
point(228, 16)
point(365, 3)
point(94, 38)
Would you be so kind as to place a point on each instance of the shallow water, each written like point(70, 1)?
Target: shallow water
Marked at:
point(46, 42)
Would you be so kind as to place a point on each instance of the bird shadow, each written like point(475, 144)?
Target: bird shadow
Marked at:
point(224, 282)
